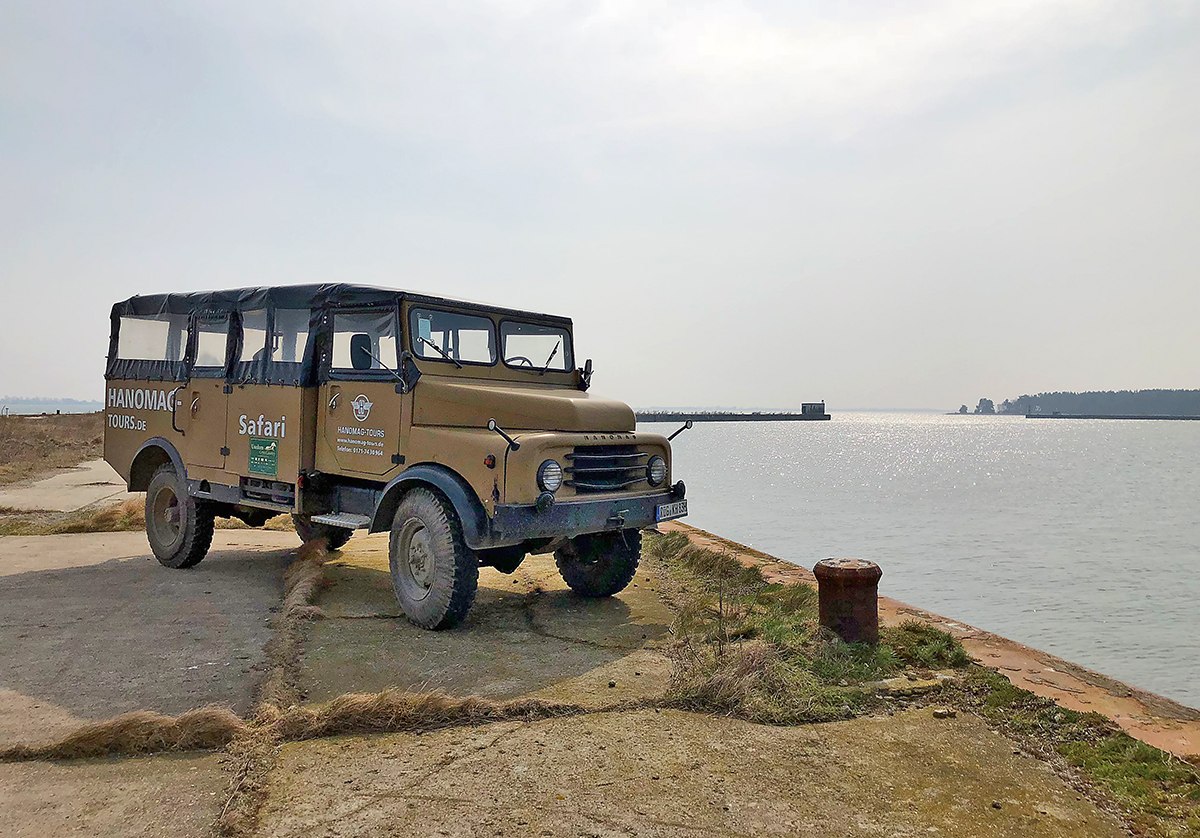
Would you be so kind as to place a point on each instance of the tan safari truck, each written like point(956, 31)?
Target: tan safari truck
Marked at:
point(464, 430)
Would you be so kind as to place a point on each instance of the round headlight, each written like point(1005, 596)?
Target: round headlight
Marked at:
point(550, 476)
point(656, 471)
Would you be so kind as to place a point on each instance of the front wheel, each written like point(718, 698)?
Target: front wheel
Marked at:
point(434, 573)
point(600, 564)
point(178, 527)
point(309, 530)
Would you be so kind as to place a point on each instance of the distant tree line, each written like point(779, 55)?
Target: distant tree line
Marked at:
point(1100, 402)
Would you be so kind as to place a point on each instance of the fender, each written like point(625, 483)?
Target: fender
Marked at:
point(470, 511)
point(139, 476)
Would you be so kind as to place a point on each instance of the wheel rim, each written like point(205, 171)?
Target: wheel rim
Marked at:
point(414, 559)
point(166, 517)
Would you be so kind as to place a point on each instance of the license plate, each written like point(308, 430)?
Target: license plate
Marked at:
point(667, 511)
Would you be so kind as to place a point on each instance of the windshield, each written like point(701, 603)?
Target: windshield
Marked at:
point(536, 347)
point(453, 337)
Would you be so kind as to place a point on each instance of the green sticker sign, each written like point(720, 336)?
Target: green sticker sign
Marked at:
point(264, 456)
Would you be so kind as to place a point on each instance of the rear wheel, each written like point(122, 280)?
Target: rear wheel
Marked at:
point(178, 527)
point(309, 530)
point(599, 564)
point(434, 573)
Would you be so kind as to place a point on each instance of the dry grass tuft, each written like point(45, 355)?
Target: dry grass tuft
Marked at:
point(280, 523)
point(304, 578)
point(140, 732)
point(394, 711)
point(302, 581)
point(756, 680)
point(124, 516)
point(129, 514)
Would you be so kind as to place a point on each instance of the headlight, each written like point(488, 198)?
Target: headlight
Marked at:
point(656, 471)
point(549, 476)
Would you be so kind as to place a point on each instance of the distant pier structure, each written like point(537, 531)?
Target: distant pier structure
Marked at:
point(809, 412)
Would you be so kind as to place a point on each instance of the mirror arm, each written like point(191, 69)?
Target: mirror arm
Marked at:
point(512, 443)
point(687, 426)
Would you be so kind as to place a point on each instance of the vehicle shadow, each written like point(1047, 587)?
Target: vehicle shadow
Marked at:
point(525, 635)
point(92, 641)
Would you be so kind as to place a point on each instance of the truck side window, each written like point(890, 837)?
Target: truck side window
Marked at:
point(361, 340)
point(153, 337)
point(212, 337)
point(290, 335)
point(254, 335)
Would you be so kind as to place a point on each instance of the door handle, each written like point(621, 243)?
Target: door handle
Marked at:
point(175, 404)
point(334, 399)
point(195, 403)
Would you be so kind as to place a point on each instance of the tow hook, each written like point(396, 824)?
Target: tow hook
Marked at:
point(617, 519)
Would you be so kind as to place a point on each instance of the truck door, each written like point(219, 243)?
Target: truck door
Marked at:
point(202, 403)
point(358, 427)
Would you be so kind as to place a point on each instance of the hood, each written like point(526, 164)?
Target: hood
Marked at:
point(525, 407)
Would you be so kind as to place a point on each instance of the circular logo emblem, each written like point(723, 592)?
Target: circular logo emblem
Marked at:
point(362, 407)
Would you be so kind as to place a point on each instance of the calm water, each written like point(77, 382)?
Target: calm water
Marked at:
point(1080, 537)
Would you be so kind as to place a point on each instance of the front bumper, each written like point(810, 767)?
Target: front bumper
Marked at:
point(515, 523)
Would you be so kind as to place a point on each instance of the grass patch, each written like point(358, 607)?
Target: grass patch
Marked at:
point(124, 516)
point(921, 645)
point(1157, 793)
point(755, 649)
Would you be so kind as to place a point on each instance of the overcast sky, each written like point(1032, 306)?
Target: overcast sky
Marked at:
point(740, 204)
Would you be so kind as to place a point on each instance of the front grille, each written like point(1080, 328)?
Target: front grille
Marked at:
point(605, 468)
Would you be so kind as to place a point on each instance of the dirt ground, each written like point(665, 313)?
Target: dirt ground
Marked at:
point(36, 445)
point(92, 625)
point(65, 490)
point(172, 795)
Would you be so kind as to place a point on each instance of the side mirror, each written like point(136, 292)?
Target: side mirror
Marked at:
point(360, 351)
point(585, 375)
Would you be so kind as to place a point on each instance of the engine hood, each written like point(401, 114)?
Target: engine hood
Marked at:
point(516, 407)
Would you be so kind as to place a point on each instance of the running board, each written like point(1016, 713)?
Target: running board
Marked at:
point(344, 520)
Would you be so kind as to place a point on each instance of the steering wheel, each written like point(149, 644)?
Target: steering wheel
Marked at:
point(519, 359)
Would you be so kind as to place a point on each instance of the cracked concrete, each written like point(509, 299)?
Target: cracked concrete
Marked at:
point(670, 773)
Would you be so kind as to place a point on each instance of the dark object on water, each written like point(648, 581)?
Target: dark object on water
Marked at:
point(809, 412)
point(849, 598)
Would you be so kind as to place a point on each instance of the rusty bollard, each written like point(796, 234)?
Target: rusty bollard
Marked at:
point(848, 590)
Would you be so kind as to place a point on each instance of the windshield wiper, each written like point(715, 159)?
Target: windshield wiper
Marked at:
point(440, 351)
point(550, 360)
point(394, 374)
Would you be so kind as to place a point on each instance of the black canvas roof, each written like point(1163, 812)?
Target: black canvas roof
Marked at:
point(300, 296)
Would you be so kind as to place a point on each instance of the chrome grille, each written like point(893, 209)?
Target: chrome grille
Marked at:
point(605, 468)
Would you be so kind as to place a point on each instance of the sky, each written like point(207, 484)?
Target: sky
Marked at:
point(741, 204)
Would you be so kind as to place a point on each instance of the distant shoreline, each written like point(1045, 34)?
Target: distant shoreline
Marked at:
point(712, 416)
point(1159, 418)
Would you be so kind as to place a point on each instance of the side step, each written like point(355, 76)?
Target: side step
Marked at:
point(344, 520)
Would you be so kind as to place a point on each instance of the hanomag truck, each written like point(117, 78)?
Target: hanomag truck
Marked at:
point(466, 431)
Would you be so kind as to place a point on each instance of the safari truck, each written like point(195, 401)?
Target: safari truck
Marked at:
point(465, 431)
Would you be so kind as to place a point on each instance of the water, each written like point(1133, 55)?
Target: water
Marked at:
point(1080, 537)
point(31, 407)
